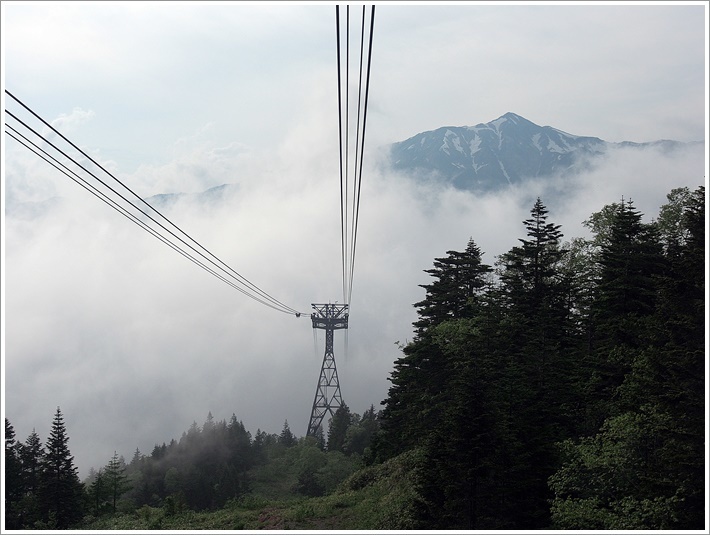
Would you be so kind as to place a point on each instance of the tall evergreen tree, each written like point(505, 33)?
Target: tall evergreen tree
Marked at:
point(286, 437)
point(537, 360)
point(97, 490)
point(629, 262)
point(61, 492)
point(630, 265)
point(531, 268)
point(338, 428)
point(14, 488)
point(359, 435)
point(115, 480)
point(31, 455)
point(240, 446)
point(460, 280)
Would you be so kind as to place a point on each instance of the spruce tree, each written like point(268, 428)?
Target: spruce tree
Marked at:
point(630, 266)
point(460, 282)
point(115, 480)
point(14, 488)
point(97, 491)
point(537, 361)
point(629, 262)
point(286, 437)
point(61, 492)
point(31, 455)
point(338, 427)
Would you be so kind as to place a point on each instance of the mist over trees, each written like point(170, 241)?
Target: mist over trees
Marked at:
point(42, 483)
point(207, 468)
point(561, 387)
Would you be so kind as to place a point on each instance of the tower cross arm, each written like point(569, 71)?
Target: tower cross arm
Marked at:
point(330, 316)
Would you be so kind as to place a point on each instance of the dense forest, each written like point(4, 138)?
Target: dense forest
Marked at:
point(560, 388)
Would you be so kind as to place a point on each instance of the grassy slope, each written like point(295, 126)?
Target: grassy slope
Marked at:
point(373, 498)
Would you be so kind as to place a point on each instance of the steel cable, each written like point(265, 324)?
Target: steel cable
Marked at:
point(250, 289)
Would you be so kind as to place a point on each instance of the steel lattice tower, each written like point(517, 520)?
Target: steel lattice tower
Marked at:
point(328, 398)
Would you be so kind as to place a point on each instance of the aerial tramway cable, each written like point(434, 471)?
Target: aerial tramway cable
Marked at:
point(362, 141)
point(16, 135)
point(247, 287)
point(349, 215)
point(344, 138)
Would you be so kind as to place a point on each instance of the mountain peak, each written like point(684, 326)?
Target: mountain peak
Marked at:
point(512, 117)
point(492, 155)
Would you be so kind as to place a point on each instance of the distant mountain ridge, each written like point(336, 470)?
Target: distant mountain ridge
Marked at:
point(488, 157)
point(210, 197)
point(503, 152)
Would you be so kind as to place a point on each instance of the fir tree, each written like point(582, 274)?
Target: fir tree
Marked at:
point(420, 375)
point(14, 488)
point(97, 490)
point(338, 428)
point(61, 492)
point(286, 437)
point(31, 455)
point(630, 265)
point(459, 280)
point(536, 361)
point(115, 480)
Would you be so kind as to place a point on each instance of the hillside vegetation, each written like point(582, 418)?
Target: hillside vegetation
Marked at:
point(372, 498)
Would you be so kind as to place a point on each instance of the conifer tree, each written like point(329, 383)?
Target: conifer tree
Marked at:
point(115, 480)
point(630, 264)
point(14, 488)
point(61, 492)
point(460, 280)
point(338, 428)
point(465, 479)
point(286, 437)
point(97, 490)
point(531, 272)
point(240, 446)
point(536, 360)
point(31, 455)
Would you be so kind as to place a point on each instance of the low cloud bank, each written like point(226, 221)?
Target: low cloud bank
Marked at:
point(135, 343)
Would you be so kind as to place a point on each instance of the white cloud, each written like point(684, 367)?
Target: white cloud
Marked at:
point(68, 123)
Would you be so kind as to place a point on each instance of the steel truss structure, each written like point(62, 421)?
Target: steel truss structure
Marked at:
point(328, 398)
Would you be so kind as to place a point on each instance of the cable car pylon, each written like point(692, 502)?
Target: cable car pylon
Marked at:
point(329, 317)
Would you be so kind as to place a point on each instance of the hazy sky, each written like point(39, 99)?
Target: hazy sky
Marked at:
point(135, 343)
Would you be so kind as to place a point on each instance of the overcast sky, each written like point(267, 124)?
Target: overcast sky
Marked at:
point(134, 342)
